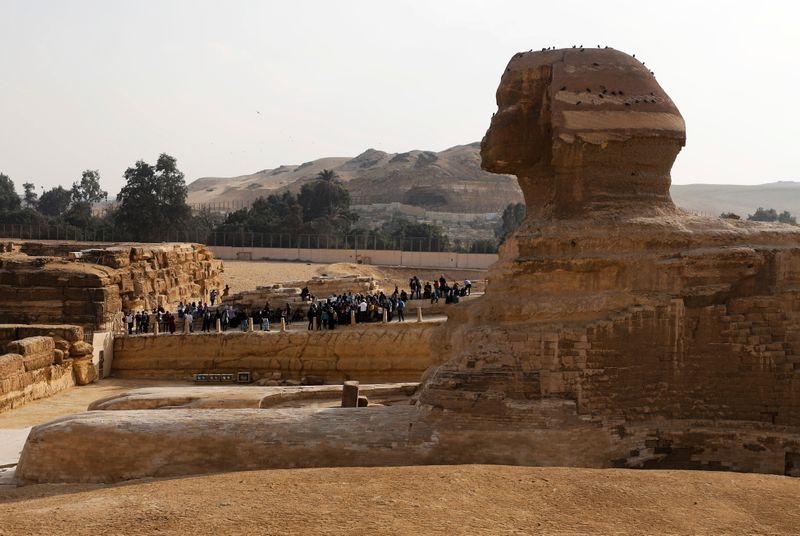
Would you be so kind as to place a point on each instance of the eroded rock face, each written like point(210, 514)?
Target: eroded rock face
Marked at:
point(87, 284)
point(610, 299)
point(584, 130)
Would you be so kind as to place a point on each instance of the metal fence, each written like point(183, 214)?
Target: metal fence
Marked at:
point(244, 238)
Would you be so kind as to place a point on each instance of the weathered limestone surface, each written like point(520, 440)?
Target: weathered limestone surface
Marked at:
point(608, 296)
point(236, 396)
point(615, 330)
point(371, 353)
point(86, 284)
point(48, 359)
point(207, 440)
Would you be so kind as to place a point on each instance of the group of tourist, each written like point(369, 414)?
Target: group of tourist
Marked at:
point(438, 289)
point(321, 314)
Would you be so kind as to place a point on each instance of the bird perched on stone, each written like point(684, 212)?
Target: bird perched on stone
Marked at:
point(563, 88)
point(578, 102)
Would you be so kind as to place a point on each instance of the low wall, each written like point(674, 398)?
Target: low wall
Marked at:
point(375, 354)
point(415, 259)
point(18, 389)
point(41, 360)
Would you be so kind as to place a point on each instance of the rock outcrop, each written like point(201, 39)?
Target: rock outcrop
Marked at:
point(87, 284)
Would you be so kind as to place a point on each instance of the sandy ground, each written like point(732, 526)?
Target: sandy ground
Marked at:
point(73, 400)
point(247, 275)
point(414, 500)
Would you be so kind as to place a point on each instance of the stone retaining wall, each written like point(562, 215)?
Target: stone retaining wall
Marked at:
point(40, 361)
point(367, 353)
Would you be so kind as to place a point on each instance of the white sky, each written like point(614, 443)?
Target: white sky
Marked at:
point(101, 84)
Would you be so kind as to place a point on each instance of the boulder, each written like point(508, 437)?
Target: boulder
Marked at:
point(85, 371)
point(80, 349)
point(58, 356)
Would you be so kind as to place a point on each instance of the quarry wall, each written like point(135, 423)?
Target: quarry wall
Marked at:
point(374, 354)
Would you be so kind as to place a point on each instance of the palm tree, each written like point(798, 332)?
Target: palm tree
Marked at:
point(327, 175)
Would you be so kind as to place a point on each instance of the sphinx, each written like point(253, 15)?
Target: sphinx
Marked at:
point(616, 330)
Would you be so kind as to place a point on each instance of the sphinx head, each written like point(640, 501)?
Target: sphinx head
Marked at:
point(584, 130)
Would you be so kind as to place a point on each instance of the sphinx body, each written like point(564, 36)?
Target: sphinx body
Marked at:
point(674, 334)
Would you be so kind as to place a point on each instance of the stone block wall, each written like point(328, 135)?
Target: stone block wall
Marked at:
point(39, 361)
point(371, 354)
point(87, 284)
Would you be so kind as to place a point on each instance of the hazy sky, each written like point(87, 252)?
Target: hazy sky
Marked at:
point(233, 87)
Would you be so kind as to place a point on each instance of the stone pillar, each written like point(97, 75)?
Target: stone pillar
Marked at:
point(155, 326)
point(314, 324)
point(352, 317)
point(219, 325)
point(350, 394)
point(283, 325)
point(187, 323)
point(385, 315)
point(419, 314)
point(249, 324)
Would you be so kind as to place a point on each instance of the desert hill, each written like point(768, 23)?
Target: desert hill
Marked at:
point(447, 181)
point(452, 181)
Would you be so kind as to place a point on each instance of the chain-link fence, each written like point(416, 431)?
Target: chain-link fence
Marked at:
point(243, 238)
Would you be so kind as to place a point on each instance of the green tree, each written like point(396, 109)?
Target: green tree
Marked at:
point(763, 214)
point(55, 202)
point(9, 200)
point(88, 190)
point(413, 236)
point(153, 200)
point(786, 217)
point(30, 194)
point(327, 175)
point(512, 218)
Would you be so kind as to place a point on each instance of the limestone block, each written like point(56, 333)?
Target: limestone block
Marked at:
point(85, 371)
point(11, 364)
point(37, 352)
point(58, 356)
point(80, 349)
point(62, 345)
